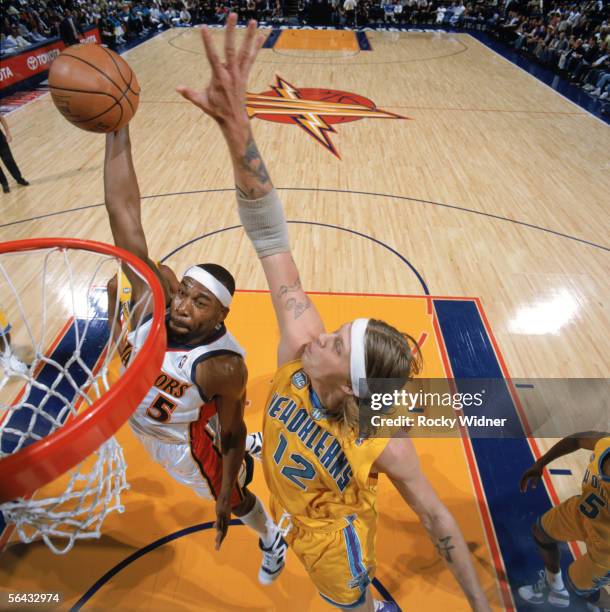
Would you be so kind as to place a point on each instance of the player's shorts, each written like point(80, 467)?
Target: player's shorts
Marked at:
point(566, 523)
point(341, 563)
point(197, 465)
point(5, 326)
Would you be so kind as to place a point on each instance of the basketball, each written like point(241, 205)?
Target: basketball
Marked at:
point(94, 88)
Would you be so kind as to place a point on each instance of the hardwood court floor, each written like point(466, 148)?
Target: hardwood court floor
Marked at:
point(494, 186)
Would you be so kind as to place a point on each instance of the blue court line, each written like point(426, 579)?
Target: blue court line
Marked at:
point(363, 41)
point(91, 349)
point(272, 39)
point(328, 225)
point(560, 472)
point(523, 386)
point(347, 191)
point(91, 591)
point(97, 335)
point(501, 461)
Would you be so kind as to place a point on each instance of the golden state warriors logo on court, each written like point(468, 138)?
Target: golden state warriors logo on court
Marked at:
point(314, 110)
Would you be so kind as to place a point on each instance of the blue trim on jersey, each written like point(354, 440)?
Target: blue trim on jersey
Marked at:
point(317, 404)
point(6, 330)
point(578, 592)
point(354, 551)
point(356, 566)
point(602, 458)
point(203, 358)
point(351, 606)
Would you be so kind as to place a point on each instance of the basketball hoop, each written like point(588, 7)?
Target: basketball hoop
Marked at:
point(66, 406)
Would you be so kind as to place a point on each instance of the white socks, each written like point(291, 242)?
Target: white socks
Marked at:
point(555, 581)
point(261, 522)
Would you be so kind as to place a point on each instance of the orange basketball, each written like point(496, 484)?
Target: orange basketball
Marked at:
point(94, 88)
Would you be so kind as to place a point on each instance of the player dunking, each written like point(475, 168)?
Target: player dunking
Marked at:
point(322, 478)
point(192, 420)
point(584, 517)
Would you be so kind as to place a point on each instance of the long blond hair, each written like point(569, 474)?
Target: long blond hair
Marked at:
point(389, 354)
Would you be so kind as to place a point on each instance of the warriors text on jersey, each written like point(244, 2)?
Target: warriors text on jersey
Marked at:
point(175, 400)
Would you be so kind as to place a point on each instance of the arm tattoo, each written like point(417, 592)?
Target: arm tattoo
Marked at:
point(444, 548)
point(253, 164)
point(298, 308)
point(284, 289)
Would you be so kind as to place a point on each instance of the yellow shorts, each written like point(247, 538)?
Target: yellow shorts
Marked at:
point(566, 523)
point(5, 326)
point(341, 563)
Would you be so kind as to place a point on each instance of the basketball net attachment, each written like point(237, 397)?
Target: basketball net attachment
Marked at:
point(63, 390)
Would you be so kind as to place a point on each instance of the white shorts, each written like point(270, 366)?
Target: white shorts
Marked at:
point(197, 465)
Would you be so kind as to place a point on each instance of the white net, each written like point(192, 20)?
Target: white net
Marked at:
point(58, 355)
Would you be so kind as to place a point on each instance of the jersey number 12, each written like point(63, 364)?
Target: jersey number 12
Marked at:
point(304, 471)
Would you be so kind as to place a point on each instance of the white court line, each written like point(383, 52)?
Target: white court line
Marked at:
point(538, 80)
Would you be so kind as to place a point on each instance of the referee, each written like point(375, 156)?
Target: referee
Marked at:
point(7, 158)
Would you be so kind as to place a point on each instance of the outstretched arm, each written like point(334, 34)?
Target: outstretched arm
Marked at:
point(122, 199)
point(400, 463)
point(225, 379)
point(224, 99)
point(586, 440)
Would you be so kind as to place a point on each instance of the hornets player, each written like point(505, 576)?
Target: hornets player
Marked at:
point(584, 517)
point(322, 478)
point(192, 420)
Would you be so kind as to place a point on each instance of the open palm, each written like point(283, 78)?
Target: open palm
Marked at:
point(224, 97)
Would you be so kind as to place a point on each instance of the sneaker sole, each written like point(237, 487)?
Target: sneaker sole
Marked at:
point(266, 579)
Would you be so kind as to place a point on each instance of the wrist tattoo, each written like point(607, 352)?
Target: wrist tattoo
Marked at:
point(253, 164)
point(284, 289)
point(444, 548)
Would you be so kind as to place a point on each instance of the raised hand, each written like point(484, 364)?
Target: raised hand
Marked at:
point(224, 98)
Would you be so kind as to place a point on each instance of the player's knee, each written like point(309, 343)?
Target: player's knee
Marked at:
point(541, 538)
point(245, 505)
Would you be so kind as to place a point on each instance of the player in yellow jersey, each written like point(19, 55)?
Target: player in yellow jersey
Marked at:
point(584, 517)
point(322, 477)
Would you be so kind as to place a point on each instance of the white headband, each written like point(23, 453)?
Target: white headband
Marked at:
point(357, 361)
point(212, 284)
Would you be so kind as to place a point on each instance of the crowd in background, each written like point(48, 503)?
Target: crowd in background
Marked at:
point(571, 38)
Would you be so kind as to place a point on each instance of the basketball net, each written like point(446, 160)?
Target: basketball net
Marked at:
point(59, 325)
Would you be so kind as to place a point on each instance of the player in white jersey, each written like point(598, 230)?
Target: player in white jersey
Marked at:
point(192, 419)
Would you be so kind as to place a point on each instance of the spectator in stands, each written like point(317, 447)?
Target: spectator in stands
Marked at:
point(349, 10)
point(14, 41)
point(68, 30)
point(388, 11)
point(185, 17)
point(458, 14)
